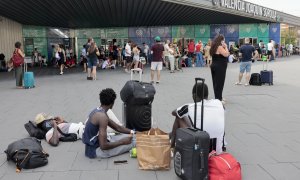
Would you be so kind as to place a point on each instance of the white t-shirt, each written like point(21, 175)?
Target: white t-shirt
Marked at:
point(214, 119)
point(167, 50)
point(270, 46)
point(146, 49)
point(83, 52)
point(230, 58)
point(127, 50)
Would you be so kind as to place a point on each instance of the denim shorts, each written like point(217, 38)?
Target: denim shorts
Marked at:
point(92, 62)
point(245, 66)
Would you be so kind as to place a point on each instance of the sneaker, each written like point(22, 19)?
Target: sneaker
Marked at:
point(61, 73)
point(238, 83)
point(246, 84)
point(157, 82)
point(9, 69)
point(89, 78)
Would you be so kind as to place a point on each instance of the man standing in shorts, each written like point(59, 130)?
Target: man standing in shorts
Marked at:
point(270, 48)
point(128, 56)
point(157, 59)
point(247, 51)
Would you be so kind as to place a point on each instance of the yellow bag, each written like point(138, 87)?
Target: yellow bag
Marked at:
point(153, 150)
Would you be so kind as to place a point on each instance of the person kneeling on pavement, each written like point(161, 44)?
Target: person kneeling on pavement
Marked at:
point(213, 118)
point(58, 129)
point(98, 144)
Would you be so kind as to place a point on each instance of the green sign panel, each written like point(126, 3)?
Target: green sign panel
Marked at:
point(183, 31)
point(86, 33)
point(116, 33)
point(41, 45)
point(248, 30)
point(202, 31)
point(263, 30)
point(34, 31)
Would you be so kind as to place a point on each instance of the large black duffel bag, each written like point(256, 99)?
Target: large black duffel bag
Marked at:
point(138, 93)
point(27, 153)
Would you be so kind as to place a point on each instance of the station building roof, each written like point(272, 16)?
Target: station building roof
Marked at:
point(127, 13)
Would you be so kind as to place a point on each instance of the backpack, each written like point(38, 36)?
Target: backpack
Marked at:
point(255, 79)
point(35, 131)
point(224, 166)
point(17, 59)
point(27, 153)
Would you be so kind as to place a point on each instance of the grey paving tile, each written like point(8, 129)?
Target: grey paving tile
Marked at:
point(102, 174)
point(297, 165)
point(136, 174)
point(82, 163)
point(72, 175)
point(250, 172)
point(132, 162)
point(281, 154)
point(23, 176)
point(59, 162)
point(252, 140)
point(282, 171)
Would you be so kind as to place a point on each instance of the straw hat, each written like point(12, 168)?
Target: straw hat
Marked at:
point(39, 118)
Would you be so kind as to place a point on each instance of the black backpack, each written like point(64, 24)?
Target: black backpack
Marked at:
point(255, 79)
point(27, 153)
point(35, 131)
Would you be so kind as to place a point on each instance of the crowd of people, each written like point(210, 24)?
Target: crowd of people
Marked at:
point(167, 55)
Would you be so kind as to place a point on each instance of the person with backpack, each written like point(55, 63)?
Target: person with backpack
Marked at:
point(18, 61)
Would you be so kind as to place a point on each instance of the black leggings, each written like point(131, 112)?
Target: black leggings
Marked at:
point(218, 73)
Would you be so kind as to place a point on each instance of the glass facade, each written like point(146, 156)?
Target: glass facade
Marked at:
point(43, 37)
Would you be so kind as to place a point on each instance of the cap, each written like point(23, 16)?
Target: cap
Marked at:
point(157, 38)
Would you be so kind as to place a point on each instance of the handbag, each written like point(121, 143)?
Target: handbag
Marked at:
point(34, 131)
point(27, 153)
point(17, 59)
point(153, 150)
point(224, 166)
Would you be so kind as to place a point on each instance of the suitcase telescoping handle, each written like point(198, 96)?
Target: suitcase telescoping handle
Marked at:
point(202, 106)
point(139, 70)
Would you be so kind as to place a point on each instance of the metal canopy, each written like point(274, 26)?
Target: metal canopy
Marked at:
point(112, 13)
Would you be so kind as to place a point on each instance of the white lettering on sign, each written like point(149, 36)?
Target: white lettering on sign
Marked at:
point(247, 7)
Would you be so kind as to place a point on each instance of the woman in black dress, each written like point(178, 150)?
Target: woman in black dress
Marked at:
point(219, 53)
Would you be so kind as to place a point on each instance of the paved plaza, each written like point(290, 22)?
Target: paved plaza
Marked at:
point(262, 123)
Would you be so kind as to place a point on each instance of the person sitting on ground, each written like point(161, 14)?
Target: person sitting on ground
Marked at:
point(232, 58)
point(53, 126)
point(97, 143)
point(213, 118)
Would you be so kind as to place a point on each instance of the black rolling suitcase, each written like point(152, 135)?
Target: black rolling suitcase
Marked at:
point(137, 97)
point(266, 75)
point(191, 149)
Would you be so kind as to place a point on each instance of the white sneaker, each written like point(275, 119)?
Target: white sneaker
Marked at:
point(238, 83)
point(61, 73)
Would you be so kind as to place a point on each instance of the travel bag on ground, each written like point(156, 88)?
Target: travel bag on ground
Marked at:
point(191, 149)
point(137, 97)
point(137, 117)
point(34, 131)
point(225, 167)
point(137, 92)
point(28, 78)
point(255, 79)
point(27, 153)
point(153, 150)
point(266, 75)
